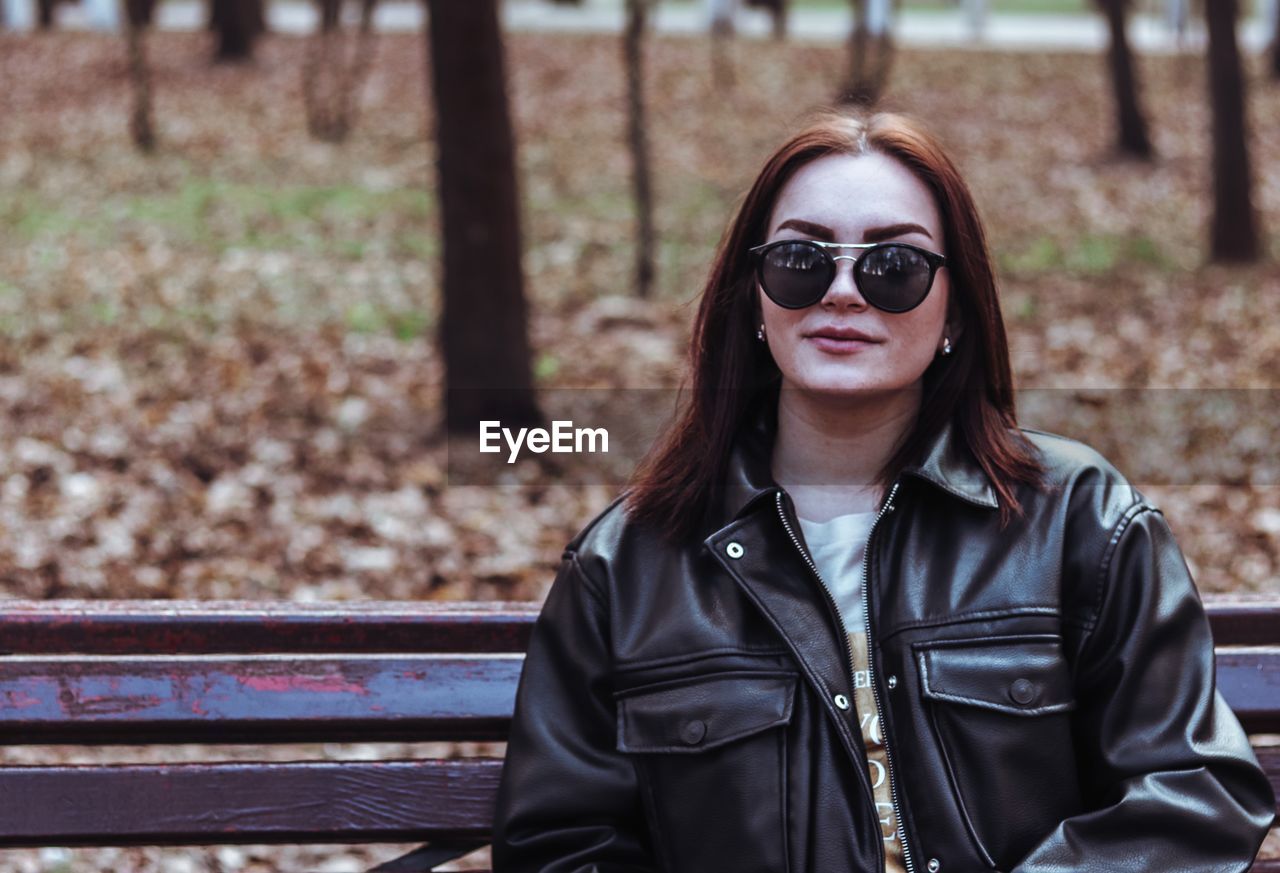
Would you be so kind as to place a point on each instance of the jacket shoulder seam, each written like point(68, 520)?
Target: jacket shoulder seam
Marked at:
point(588, 584)
point(1108, 555)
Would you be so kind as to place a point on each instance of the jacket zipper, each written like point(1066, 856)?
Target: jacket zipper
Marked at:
point(871, 674)
point(848, 649)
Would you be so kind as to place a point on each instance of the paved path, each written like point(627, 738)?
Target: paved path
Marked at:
point(1025, 32)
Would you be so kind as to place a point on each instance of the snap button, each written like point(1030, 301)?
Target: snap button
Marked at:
point(842, 701)
point(735, 550)
point(693, 732)
point(892, 681)
point(1022, 690)
point(934, 865)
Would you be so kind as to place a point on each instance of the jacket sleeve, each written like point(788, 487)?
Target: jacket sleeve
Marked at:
point(1164, 762)
point(568, 802)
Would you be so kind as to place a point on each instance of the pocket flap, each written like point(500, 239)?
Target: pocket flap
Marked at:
point(1015, 675)
point(694, 715)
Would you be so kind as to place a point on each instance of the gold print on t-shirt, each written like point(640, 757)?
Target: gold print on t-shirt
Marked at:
point(877, 774)
point(877, 759)
point(871, 728)
point(886, 821)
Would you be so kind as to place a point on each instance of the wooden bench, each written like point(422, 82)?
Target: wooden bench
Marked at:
point(148, 672)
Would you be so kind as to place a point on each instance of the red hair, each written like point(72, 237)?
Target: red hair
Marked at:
point(676, 485)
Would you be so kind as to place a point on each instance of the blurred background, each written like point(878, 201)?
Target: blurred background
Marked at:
point(254, 270)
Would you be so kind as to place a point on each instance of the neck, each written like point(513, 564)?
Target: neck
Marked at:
point(829, 451)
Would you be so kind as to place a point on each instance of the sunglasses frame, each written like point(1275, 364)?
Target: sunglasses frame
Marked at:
point(935, 261)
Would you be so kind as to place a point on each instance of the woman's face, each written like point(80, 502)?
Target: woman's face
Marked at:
point(856, 199)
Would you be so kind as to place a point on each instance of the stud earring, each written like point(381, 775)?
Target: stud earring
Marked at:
point(946, 345)
point(760, 333)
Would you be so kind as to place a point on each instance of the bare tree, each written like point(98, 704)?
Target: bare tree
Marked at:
point(870, 52)
point(333, 72)
point(1235, 223)
point(483, 330)
point(141, 12)
point(237, 23)
point(723, 14)
point(137, 17)
point(1274, 48)
point(633, 47)
point(1131, 126)
point(330, 14)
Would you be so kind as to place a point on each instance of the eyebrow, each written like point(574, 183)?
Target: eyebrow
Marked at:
point(871, 234)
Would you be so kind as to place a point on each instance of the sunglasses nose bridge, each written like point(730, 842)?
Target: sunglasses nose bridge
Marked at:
point(842, 290)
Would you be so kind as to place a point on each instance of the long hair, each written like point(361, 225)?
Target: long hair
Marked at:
point(676, 484)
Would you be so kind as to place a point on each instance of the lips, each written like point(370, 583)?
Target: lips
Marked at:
point(842, 333)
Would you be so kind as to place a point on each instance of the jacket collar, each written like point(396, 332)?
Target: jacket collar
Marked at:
point(946, 463)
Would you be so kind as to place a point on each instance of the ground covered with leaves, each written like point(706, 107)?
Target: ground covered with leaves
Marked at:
point(218, 370)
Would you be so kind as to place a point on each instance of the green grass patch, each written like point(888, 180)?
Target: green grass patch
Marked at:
point(545, 366)
point(1089, 255)
point(217, 215)
point(404, 325)
point(410, 325)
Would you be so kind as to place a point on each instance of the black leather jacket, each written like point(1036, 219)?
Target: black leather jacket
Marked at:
point(1047, 692)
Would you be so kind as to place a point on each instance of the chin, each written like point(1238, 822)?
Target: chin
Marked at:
point(848, 388)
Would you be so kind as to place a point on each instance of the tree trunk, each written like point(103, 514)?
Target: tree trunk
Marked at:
point(779, 11)
point(483, 330)
point(236, 22)
point(723, 15)
point(1235, 224)
point(137, 17)
point(1131, 126)
point(140, 12)
point(330, 14)
point(871, 52)
point(633, 43)
point(857, 55)
point(332, 77)
point(1275, 40)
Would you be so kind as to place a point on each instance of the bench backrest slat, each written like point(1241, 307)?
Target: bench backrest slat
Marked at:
point(267, 699)
point(111, 627)
point(245, 803)
point(1249, 680)
point(189, 804)
point(293, 698)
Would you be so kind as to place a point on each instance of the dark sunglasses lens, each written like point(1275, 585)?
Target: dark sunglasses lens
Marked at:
point(795, 274)
point(894, 278)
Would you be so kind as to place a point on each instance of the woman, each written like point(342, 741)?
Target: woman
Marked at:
point(850, 617)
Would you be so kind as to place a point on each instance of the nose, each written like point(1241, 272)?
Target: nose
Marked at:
point(843, 290)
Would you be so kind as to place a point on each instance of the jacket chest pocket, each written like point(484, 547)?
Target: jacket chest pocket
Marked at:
point(1000, 711)
point(711, 751)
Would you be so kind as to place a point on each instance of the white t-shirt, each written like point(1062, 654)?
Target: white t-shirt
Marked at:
point(837, 547)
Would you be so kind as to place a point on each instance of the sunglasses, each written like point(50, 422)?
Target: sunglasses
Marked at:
point(892, 276)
